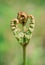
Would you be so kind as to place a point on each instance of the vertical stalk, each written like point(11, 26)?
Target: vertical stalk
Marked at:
point(24, 55)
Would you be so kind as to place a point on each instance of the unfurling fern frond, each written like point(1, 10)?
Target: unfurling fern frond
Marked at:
point(21, 36)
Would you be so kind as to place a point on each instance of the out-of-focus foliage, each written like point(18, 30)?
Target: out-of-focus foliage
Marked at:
point(10, 50)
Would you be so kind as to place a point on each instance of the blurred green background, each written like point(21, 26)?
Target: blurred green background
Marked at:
point(10, 50)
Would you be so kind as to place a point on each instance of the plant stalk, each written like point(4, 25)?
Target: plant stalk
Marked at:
point(24, 55)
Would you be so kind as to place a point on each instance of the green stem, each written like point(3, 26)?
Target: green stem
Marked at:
point(24, 55)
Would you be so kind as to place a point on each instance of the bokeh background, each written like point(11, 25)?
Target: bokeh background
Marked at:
point(10, 50)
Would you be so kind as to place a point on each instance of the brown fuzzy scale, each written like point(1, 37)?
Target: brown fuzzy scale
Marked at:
point(22, 17)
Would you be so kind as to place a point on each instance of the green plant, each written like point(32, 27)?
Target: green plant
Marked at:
point(23, 36)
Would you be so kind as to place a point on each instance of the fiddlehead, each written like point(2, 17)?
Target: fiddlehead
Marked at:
point(13, 24)
point(23, 36)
